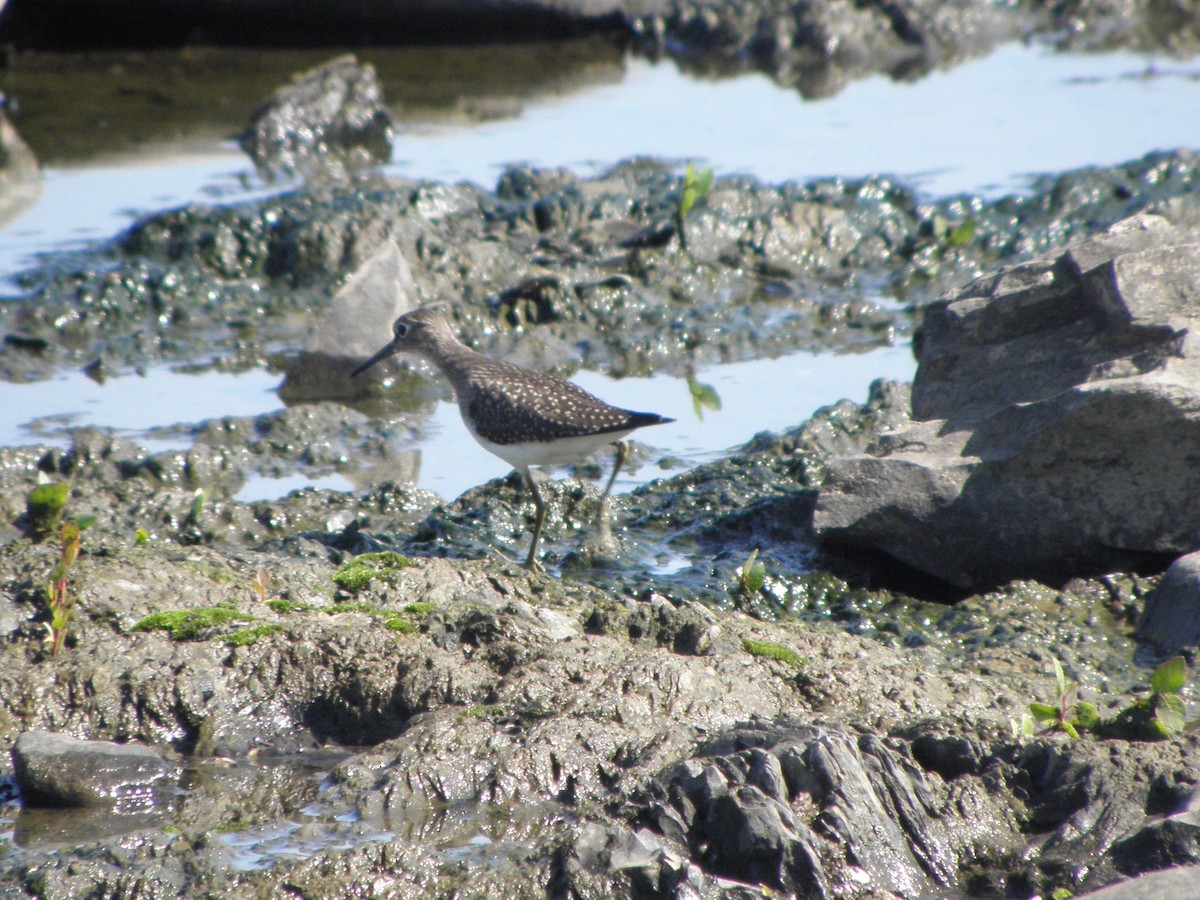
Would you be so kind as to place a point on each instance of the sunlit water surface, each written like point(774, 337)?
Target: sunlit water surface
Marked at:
point(983, 127)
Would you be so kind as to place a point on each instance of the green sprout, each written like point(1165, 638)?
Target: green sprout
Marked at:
point(695, 185)
point(704, 396)
point(1066, 713)
point(1161, 714)
point(752, 574)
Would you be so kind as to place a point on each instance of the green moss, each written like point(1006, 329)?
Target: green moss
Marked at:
point(189, 624)
point(393, 621)
point(362, 570)
point(43, 508)
point(771, 650)
point(400, 624)
point(369, 609)
point(244, 637)
point(420, 609)
point(288, 606)
point(480, 711)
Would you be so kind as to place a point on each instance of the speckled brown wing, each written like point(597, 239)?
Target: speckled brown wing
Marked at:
point(509, 405)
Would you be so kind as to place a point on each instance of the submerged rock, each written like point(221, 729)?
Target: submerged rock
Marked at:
point(357, 323)
point(59, 770)
point(1055, 415)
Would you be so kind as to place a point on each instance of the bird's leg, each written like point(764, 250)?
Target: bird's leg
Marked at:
point(618, 461)
point(540, 505)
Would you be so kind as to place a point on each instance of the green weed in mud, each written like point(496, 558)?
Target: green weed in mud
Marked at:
point(752, 575)
point(1065, 714)
point(44, 506)
point(695, 185)
point(60, 602)
point(362, 570)
point(704, 396)
point(1152, 718)
point(190, 624)
point(1159, 715)
point(771, 650)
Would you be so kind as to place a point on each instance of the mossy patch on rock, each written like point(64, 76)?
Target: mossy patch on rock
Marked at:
point(395, 621)
point(362, 570)
point(244, 637)
point(771, 650)
point(43, 508)
point(191, 624)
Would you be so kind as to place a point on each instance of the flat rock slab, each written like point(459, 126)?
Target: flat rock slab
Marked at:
point(59, 770)
point(1055, 420)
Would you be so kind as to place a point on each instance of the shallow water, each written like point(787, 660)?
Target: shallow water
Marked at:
point(760, 395)
point(984, 126)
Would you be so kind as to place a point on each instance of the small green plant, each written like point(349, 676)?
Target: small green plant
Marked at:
point(60, 602)
point(141, 536)
point(771, 650)
point(695, 185)
point(752, 574)
point(193, 515)
point(1159, 715)
point(244, 637)
point(362, 570)
point(191, 624)
point(1066, 713)
point(704, 396)
point(1061, 893)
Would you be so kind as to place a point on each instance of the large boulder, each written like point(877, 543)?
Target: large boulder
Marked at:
point(1055, 422)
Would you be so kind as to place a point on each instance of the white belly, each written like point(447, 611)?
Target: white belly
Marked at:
point(549, 453)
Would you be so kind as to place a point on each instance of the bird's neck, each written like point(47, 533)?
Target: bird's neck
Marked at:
point(453, 358)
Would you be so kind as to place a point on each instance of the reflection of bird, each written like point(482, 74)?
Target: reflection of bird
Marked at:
point(525, 418)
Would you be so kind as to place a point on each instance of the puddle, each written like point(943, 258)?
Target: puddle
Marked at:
point(759, 395)
point(983, 126)
point(131, 405)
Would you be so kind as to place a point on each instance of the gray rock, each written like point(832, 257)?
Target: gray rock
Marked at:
point(59, 770)
point(1055, 413)
point(1171, 618)
point(329, 120)
point(357, 323)
point(1181, 883)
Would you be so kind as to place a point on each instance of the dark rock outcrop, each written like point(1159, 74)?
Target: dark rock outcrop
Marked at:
point(328, 121)
point(1055, 420)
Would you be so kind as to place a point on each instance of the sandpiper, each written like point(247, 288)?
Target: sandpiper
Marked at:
point(525, 418)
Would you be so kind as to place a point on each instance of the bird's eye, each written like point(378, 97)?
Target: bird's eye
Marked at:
point(401, 330)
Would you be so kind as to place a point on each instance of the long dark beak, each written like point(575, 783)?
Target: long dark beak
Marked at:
point(389, 350)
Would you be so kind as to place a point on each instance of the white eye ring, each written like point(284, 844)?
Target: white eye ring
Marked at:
point(401, 330)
